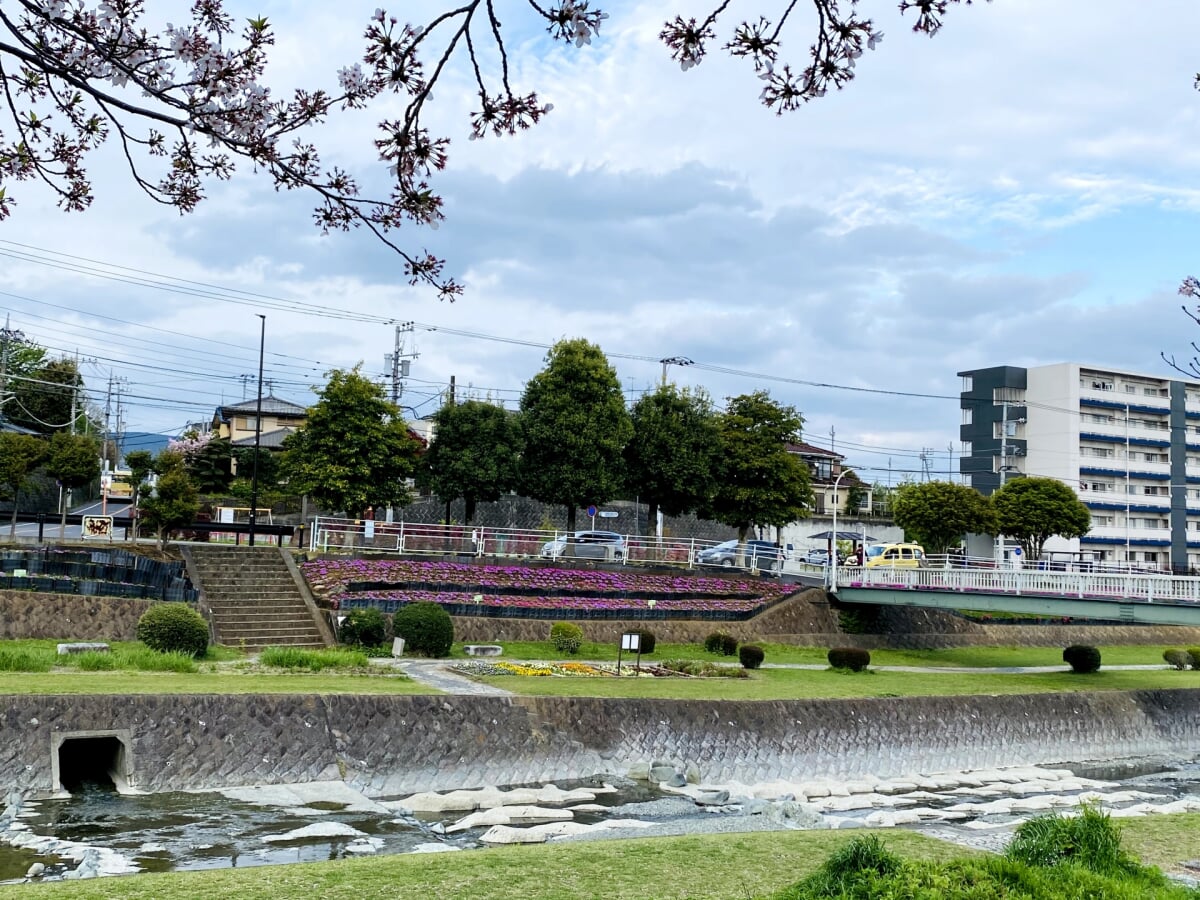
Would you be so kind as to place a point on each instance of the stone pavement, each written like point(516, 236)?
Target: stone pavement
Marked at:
point(435, 673)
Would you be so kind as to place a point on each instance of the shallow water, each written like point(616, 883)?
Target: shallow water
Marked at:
point(184, 831)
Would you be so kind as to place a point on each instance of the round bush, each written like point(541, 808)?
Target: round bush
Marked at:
point(170, 627)
point(719, 642)
point(363, 628)
point(1082, 659)
point(648, 641)
point(1180, 659)
point(751, 656)
point(1194, 654)
point(426, 628)
point(567, 637)
point(852, 658)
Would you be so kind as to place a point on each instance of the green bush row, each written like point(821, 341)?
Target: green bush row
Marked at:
point(1183, 659)
point(426, 628)
point(852, 658)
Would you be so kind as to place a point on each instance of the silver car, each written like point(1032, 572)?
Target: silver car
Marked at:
point(557, 547)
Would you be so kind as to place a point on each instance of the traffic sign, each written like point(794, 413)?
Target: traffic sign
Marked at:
point(608, 514)
point(591, 511)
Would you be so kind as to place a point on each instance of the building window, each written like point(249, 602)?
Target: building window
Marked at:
point(1096, 384)
point(1101, 521)
point(250, 423)
point(968, 416)
point(968, 384)
point(966, 448)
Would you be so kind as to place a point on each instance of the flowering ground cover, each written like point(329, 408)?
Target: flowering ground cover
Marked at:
point(468, 589)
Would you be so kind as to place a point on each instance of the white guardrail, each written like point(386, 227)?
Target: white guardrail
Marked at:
point(1105, 586)
point(370, 536)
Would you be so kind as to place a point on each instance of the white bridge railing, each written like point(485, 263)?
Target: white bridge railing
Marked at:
point(1029, 582)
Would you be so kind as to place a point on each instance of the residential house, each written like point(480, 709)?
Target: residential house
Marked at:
point(238, 422)
point(824, 469)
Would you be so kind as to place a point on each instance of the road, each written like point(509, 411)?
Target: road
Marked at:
point(29, 530)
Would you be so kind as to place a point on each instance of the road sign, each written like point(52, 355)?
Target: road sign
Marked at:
point(607, 513)
point(591, 511)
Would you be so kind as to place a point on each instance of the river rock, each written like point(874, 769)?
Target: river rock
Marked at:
point(315, 830)
point(507, 815)
point(712, 798)
point(660, 774)
point(434, 848)
point(36, 870)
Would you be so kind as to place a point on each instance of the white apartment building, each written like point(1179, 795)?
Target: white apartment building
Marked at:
point(1128, 443)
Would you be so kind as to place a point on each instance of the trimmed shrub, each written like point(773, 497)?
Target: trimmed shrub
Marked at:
point(363, 628)
point(720, 642)
point(426, 628)
point(1082, 659)
point(567, 637)
point(648, 641)
point(751, 656)
point(1180, 659)
point(173, 628)
point(851, 658)
point(1194, 653)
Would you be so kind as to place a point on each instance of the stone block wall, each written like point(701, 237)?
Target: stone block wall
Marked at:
point(392, 745)
point(30, 614)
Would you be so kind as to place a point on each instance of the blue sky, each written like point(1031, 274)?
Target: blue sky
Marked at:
point(1021, 189)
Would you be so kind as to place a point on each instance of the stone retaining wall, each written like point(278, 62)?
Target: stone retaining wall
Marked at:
point(391, 745)
point(29, 614)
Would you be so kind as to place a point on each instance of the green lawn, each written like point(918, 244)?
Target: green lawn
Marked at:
point(223, 682)
point(1163, 841)
point(791, 684)
point(784, 653)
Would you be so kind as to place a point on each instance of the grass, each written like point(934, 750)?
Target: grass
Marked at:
point(791, 684)
point(967, 657)
point(702, 867)
point(1163, 841)
point(313, 660)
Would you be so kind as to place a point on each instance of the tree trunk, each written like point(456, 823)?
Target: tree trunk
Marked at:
point(741, 554)
point(12, 526)
point(652, 518)
point(570, 519)
point(469, 511)
point(62, 522)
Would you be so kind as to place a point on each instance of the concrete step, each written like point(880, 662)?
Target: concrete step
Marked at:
point(261, 636)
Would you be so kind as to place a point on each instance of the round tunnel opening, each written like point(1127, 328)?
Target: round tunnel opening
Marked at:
point(90, 762)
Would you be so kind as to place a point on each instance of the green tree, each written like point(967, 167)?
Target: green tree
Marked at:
point(20, 455)
point(670, 459)
point(174, 502)
point(1035, 509)
point(140, 464)
point(355, 452)
point(575, 427)
point(73, 461)
point(475, 453)
point(46, 400)
point(758, 481)
point(211, 466)
point(937, 514)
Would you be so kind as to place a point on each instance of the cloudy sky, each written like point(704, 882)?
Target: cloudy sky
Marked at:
point(1021, 189)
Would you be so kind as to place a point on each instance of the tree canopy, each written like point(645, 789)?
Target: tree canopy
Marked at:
point(575, 427)
point(936, 514)
point(670, 460)
point(73, 460)
point(758, 481)
point(355, 452)
point(20, 455)
point(1035, 509)
point(45, 399)
point(475, 453)
point(186, 103)
point(174, 501)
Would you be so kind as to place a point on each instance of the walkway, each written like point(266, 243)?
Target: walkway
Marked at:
point(435, 673)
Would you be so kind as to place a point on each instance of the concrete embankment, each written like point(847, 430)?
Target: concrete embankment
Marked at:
point(401, 744)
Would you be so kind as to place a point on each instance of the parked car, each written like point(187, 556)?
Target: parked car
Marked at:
point(554, 549)
point(763, 555)
point(820, 557)
point(901, 556)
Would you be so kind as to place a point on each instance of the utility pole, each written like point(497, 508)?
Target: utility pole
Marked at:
point(7, 336)
point(451, 390)
point(104, 473)
point(399, 361)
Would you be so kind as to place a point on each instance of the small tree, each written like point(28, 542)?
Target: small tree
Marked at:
point(575, 427)
point(73, 461)
point(355, 452)
point(475, 454)
point(758, 481)
point(938, 513)
point(175, 500)
point(1033, 510)
point(20, 455)
point(671, 457)
point(141, 466)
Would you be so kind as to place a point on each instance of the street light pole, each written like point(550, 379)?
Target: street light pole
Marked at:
point(262, 342)
point(833, 544)
point(673, 361)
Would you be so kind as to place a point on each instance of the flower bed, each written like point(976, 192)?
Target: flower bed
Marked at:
point(536, 592)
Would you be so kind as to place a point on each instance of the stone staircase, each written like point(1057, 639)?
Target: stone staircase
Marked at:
point(253, 598)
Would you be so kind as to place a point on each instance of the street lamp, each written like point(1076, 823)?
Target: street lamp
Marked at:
point(674, 361)
point(262, 342)
point(833, 545)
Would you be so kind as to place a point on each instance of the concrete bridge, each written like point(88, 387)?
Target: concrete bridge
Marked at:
point(1136, 599)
